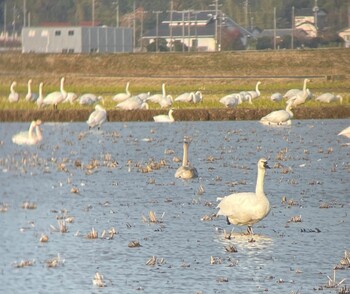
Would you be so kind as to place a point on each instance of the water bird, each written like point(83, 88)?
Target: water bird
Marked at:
point(40, 99)
point(133, 103)
point(29, 137)
point(30, 95)
point(97, 117)
point(13, 96)
point(155, 98)
point(276, 97)
point(247, 208)
point(54, 98)
point(231, 100)
point(255, 94)
point(185, 171)
point(329, 97)
point(122, 96)
point(185, 97)
point(345, 132)
point(198, 97)
point(89, 99)
point(301, 96)
point(165, 117)
point(279, 117)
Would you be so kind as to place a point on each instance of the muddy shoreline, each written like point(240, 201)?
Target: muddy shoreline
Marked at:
point(214, 114)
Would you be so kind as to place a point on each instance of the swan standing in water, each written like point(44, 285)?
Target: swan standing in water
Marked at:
point(120, 97)
point(30, 95)
point(89, 99)
point(29, 137)
point(345, 132)
point(13, 96)
point(186, 171)
point(247, 208)
point(279, 117)
point(133, 103)
point(328, 98)
point(164, 117)
point(97, 117)
point(56, 97)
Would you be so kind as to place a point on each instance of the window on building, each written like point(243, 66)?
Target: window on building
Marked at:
point(31, 33)
point(71, 33)
point(57, 33)
point(44, 33)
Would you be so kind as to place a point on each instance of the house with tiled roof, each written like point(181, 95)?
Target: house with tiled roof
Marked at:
point(345, 35)
point(198, 30)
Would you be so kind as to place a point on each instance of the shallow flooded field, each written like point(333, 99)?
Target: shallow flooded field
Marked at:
point(159, 234)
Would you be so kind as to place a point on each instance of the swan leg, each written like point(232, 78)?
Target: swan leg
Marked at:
point(228, 221)
point(250, 230)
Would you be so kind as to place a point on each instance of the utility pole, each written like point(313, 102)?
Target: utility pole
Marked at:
point(171, 25)
point(315, 10)
point(134, 27)
point(116, 13)
point(274, 28)
point(293, 28)
point(93, 13)
point(157, 28)
point(24, 12)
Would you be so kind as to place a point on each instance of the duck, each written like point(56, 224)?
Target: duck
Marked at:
point(185, 171)
point(30, 95)
point(54, 98)
point(13, 96)
point(97, 117)
point(247, 208)
point(165, 117)
point(329, 97)
point(279, 117)
point(122, 96)
point(29, 137)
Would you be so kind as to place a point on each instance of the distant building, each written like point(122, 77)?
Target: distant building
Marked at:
point(61, 39)
point(345, 35)
point(198, 30)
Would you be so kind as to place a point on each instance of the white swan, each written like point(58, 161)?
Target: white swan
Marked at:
point(89, 98)
point(165, 117)
point(301, 96)
point(279, 117)
point(40, 99)
point(122, 96)
point(345, 132)
point(328, 98)
point(291, 93)
point(166, 101)
point(13, 96)
point(30, 95)
point(155, 98)
point(97, 117)
point(71, 97)
point(255, 94)
point(275, 97)
point(133, 103)
point(185, 97)
point(144, 96)
point(54, 98)
point(185, 171)
point(231, 100)
point(198, 97)
point(247, 208)
point(29, 137)
point(245, 96)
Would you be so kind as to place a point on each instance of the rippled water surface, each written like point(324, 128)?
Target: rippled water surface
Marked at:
point(309, 166)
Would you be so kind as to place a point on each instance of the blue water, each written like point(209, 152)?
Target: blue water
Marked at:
point(310, 165)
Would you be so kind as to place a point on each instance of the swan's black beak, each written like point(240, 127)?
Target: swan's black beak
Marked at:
point(266, 165)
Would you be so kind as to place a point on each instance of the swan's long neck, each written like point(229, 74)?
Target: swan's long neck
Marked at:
point(29, 87)
point(257, 88)
point(171, 114)
point(259, 190)
point(288, 109)
point(38, 133)
point(304, 87)
point(127, 89)
point(12, 88)
point(31, 129)
point(63, 92)
point(163, 90)
point(185, 155)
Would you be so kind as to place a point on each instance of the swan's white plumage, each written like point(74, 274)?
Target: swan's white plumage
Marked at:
point(345, 132)
point(247, 208)
point(329, 97)
point(122, 96)
point(97, 117)
point(198, 97)
point(231, 100)
point(40, 99)
point(30, 96)
point(56, 97)
point(301, 96)
point(89, 99)
point(164, 117)
point(276, 97)
point(13, 96)
point(133, 103)
point(155, 98)
point(185, 97)
point(186, 171)
point(255, 94)
point(29, 137)
point(165, 101)
point(279, 117)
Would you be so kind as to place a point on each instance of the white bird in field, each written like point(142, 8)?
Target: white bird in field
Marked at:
point(166, 101)
point(71, 97)
point(165, 117)
point(231, 100)
point(345, 132)
point(13, 96)
point(276, 97)
point(29, 137)
point(255, 94)
point(122, 96)
point(329, 97)
point(30, 95)
point(186, 171)
point(144, 96)
point(245, 96)
point(97, 117)
point(185, 97)
point(247, 208)
point(133, 103)
point(291, 93)
point(89, 99)
point(56, 97)
point(302, 96)
point(198, 97)
point(40, 99)
point(279, 117)
point(155, 98)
